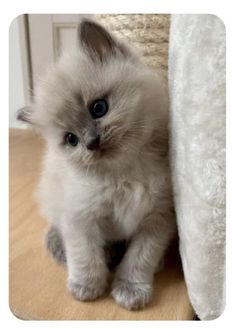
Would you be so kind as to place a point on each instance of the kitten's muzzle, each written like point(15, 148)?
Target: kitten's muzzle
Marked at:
point(93, 144)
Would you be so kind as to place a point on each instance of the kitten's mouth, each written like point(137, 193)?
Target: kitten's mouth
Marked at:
point(102, 151)
point(109, 149)
point(105, 151)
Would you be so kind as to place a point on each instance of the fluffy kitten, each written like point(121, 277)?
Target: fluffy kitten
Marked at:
point(104, 117)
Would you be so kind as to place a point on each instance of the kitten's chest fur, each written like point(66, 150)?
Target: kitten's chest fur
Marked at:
point(118, 204)
point(128, 205)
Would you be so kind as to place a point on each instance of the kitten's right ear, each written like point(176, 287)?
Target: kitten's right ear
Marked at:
point(25, 115)
point(95, 39)
point(98, 42)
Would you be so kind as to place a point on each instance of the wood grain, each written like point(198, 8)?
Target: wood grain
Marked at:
point(37, 284)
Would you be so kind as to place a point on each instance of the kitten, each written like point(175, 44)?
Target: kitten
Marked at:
point(104, 117)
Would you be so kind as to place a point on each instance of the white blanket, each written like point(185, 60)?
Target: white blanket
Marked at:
point(197, 97)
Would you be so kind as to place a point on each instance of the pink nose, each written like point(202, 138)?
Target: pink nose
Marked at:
point(94, 143)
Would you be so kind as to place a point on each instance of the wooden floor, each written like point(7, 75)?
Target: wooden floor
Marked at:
point(37, 284)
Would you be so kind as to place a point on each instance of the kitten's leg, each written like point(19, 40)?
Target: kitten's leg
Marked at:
point(133, 284)
point(55, 246)
point(87, 270)
point(114, 252)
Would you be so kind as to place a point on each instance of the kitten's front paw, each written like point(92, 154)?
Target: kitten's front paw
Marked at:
point(87, 292)
point(132, 296)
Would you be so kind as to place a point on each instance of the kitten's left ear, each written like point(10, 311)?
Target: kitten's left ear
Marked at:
point(25, 115)
point(97, 41)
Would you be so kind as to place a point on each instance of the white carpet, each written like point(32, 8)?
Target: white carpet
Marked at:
point(197, 96)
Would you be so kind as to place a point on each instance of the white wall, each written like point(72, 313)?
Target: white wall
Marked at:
point(46, 35)
point(16, 88)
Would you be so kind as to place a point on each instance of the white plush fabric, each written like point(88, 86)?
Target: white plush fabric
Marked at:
point(197, 97)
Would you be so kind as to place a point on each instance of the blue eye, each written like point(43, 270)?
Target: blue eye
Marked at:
point(71, 139)
point(98, 108)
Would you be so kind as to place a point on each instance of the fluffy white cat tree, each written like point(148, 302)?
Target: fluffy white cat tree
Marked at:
point(197, 97)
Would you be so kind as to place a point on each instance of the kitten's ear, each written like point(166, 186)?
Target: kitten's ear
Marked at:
point(25, 114)
point(97, 41)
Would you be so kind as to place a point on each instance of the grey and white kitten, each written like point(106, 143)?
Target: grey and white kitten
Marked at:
point(104, 117)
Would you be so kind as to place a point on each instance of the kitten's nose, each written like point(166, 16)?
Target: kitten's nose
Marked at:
point(94, 143)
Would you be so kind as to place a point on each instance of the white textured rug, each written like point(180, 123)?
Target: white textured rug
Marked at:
point(197, 96)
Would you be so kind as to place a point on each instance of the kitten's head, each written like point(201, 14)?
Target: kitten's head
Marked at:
point(99, 104)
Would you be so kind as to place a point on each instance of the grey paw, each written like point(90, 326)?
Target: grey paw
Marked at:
point(55, 246)
point(132, 296)
point(86, 293)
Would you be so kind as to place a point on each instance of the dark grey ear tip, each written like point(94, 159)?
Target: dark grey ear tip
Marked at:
point(23, 114)
point(89, 23)
point(86, 25)
point(20, 115)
